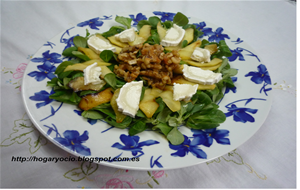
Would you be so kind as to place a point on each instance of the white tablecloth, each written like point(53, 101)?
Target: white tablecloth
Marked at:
point(267, 160)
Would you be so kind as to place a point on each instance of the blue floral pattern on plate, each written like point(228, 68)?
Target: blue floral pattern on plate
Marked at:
point(199, 145)
point(131, 143)
point(92, 23)
point(210, 134)
point(42, 97)
point(165, 15)
point(137, 18)
point(45, 71)
point(48, 58)
point(262, 76)
point(241, 114)
point(73, 141)
point(237, 53)
point(202, 27)
point(218, 35)
point(189, 146)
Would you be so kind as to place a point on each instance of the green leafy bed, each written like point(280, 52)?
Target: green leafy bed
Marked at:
point(200, 113)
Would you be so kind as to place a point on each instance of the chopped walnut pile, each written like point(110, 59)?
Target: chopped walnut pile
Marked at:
point(150, 62)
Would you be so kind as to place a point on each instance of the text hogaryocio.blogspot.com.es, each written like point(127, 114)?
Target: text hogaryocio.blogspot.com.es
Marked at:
point(72, 159)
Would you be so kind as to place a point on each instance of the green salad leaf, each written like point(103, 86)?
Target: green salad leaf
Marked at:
point(106, 55)
point(175, 137)
point(80, 55)
point(141, 23)
point(113, 31)
point(80, 41)
point(153, 21)
point(92, 114)
point(180, 19)
point(68, 52)
point(124, 20)
point(137, 127)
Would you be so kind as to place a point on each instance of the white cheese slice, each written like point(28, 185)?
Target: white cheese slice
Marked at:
point(92, 74)
point(129, 98)
point(198, 75)
point(201, 55)
point(184, 91)
point(98, 44)
point(173, 36)
point(126, 36)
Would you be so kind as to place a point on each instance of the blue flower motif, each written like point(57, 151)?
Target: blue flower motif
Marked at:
point(218, 36)
point(46, 71)
point(106, 17)
point(189, 146)
point(211, 134)
point(233, 89)
point(52, 129)
point(68, 42)
point(92, 23)
point(131, 143)
point(42, 97)
point(165, 15)
point(238, 41)
point(236, 53)
point(73, 141)
point(138, 18)
point(155, 162)
point(48, 58)
point(91, 121)
point(202, 27)
point(240, 114)
point(261, 76)
point(50, 44)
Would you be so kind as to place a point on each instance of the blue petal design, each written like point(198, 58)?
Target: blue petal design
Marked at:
point(189, 146)
point(131, 143)
point(240, 114)
point(41, 96)
point(48, 57)
point(73, 141)
point(198, 152)
point(147, 143)
point(92, 23)
point(209, 134)
point(165, 15)
point(261, 76)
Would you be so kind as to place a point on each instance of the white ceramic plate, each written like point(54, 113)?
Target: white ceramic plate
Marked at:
point(246, 107)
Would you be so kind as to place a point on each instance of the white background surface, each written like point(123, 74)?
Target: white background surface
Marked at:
point(268, 159)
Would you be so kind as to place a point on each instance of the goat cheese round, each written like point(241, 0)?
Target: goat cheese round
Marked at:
point(98, 45)
point(198, 75)
point(126, 36)
point(173, 36)
point(184, 91)
point(129, 98)
point(92, 74)
point(201, 55)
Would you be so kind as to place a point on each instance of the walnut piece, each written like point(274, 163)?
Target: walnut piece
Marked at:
point(148, 61)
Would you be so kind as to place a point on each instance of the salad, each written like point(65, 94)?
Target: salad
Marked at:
point(163, 66)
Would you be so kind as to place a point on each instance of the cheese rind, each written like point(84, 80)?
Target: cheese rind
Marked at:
point(126, 36)
point(198, 75)
point(98, 45)
point(184, 91)
point(92, 74)
point(201, 55)
point(173, 36)
point(129, 98)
